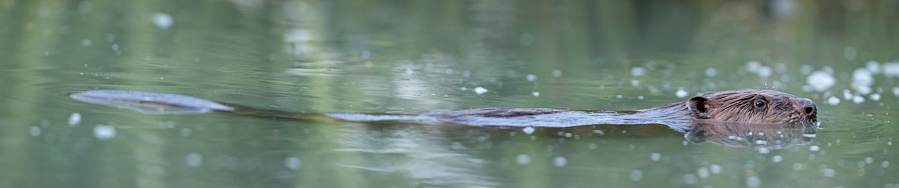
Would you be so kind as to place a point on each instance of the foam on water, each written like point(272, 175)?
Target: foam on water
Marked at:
point(821, 80)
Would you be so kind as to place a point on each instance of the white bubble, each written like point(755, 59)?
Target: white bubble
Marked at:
point(711, 72)
point(408, 71)
point(536, 94)
point(480, 90)
point(466, 73)
point(863, 90)
point(681, 93)
point(557, 73)
point(765, 71)
point(528, 130)
point(847, 94)
point(655, 156)
point(715, 168)
point(776, 158)
point(523, 159)
point(194, 159)
point(638, 71)
point(115, 47)
point(858, 99)
point(753, 66)
point(814, 148)
point(104, 132)
point(531, 77)
point(869, 160)
point(885, 164)
point(873, 66)
point(292, 162)
point(874, 97)
point(820, 80)
point(891, 69)
point(753, 181)
point(703, 172)
point(463, 88)
point(635, 83)
point(74, 119)
point(560, 161)
point(86, 42)
point(862, 77)
point(35, 131)
point(636, 175)
point(162, 20)
point(828, 172)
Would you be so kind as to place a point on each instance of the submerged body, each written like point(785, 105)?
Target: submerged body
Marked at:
point(744, 106)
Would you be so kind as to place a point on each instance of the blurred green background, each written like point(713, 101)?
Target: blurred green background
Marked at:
point(410, 56)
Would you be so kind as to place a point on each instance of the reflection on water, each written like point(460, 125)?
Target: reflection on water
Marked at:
point(392, 57)
point(757, 136)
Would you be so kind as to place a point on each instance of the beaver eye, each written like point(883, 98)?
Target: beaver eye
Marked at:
point(759, 103)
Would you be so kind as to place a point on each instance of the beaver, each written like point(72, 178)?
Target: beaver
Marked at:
point(744, 106)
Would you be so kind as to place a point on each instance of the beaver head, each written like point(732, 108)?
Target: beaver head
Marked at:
point(753, 106)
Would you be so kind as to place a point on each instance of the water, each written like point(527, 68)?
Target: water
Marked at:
point(384, 57)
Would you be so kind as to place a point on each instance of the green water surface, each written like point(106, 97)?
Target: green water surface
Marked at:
point(412, 56)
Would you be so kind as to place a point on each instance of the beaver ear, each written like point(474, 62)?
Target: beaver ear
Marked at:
point(699, 106)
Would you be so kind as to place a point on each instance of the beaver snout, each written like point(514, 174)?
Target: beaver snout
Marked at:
point(807, 107)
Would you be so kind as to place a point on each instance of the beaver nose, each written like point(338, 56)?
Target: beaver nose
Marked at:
point(808, 107)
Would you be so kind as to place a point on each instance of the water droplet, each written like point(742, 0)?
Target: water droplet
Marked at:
point(74, 119)
point(753, 181)
point(711, 72)
point(528, 130)
point(703, 172)
point(292, 162)
point(636, 175)
point(776, 158)
point(480, 90)
point(681, 93)
point(820, 80)
point(162, 20)
point(560, 161)
point(35, 131)
point(194, 159)
point(523, 159)
point(833, 100)
point(638, 71)
point(715, 168)
point(104, 132)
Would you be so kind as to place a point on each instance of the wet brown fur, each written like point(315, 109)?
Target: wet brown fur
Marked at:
point(741, 106)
